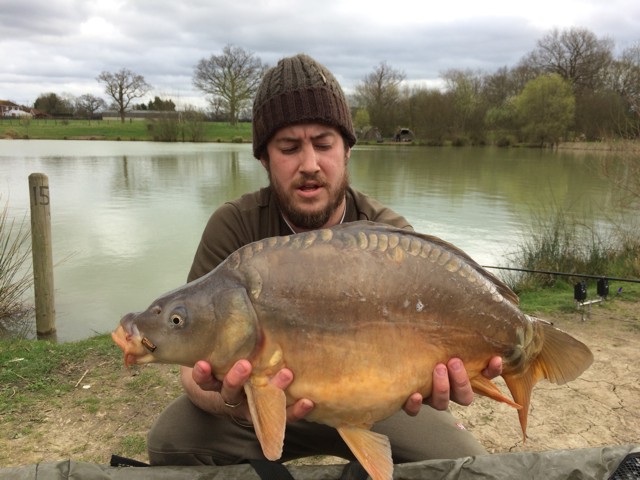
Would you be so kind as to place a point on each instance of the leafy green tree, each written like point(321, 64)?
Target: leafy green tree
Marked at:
point(55, 105)
point(546, 108)
point(465, 88)
point(361, 119)
point(503, 119)
point(231, 79)
point(123, 87)
point(159, 105)
point(379, 93)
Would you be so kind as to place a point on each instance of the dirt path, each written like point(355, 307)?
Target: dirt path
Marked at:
point(110, 410)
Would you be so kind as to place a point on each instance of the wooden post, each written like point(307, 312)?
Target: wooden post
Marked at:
point(42, 256)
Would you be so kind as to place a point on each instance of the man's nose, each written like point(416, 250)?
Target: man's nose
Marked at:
point(309, 159)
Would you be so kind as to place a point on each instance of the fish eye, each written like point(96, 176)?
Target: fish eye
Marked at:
point(177, 317)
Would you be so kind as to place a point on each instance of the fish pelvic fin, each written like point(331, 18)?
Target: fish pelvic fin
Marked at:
point(483, 386)
point(561, 359)
point(373, 451)
point(268, 407)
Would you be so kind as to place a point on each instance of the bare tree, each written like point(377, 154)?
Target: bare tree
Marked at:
point(87, 105)
point(576, 54)
point(124, 86)
point(624, 78)
point(379, 92)
point(232, 77)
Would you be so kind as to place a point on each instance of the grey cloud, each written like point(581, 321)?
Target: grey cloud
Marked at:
point(163, 40)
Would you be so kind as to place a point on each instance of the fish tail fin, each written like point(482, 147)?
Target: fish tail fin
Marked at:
point(562, 359)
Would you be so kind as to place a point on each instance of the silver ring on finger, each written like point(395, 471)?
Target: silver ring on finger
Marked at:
point(232, 405)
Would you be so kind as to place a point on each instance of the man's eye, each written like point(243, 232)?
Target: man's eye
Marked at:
point(323, 146)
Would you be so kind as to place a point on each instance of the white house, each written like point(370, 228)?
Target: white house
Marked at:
point(15, 113)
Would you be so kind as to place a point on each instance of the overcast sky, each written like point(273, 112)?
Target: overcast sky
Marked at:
point(61, 46)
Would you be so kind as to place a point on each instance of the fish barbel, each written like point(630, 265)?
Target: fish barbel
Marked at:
point(361, 313)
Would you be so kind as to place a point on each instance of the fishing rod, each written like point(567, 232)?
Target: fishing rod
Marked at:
point(564, 274)
point(580, 288)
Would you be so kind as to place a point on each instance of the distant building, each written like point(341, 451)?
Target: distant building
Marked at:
point(10, 109)
point(15, 113)
point(138, 115)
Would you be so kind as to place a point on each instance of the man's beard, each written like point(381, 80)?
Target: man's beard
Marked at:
point(310, 220)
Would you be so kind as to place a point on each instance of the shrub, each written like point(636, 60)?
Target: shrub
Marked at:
point(558, 242)
point(11, 133)
point(15, 278)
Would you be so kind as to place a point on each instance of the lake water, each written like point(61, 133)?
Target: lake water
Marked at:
point(127, 216)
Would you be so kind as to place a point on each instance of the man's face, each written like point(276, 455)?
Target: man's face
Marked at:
point(307, 165)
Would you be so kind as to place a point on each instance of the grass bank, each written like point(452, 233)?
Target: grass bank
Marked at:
point(131, 130)
point(77, 400)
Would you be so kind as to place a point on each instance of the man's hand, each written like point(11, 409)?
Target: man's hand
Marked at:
point(450, 383)
point(231, 388)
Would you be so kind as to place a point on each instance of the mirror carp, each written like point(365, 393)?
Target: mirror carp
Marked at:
point(361, 313)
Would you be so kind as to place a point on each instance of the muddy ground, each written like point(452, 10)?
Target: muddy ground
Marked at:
point(111, 409)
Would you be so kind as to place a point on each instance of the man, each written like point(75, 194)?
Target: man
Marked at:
point(302, 135)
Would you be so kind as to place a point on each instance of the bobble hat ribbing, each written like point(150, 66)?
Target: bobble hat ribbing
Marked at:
point(298, 90)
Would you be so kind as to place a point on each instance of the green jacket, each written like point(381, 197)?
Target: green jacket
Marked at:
point(256, 216)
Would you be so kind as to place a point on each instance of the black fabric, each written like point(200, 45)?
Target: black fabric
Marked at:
point(629, 468)
point(354, 471)
point(118, 461)
point(268, 470)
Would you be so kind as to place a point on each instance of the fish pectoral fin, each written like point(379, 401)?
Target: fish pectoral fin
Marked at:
point(372, 450)
point(268, 407)
point(483, 386)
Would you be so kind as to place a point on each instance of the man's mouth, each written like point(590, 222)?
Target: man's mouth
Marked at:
point(309, 187)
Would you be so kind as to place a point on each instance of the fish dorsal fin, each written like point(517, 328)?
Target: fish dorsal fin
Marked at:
point(268, 407)
point(483, 386)
point(562, 359)
point(372, 450)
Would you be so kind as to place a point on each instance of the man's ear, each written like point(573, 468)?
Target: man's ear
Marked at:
point(264, 162)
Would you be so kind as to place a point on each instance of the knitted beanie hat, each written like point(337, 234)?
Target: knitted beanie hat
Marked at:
point(298, 90)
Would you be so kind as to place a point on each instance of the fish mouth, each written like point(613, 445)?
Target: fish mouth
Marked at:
point(136, 348)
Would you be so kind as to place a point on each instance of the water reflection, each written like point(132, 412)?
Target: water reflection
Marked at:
point(127, 216)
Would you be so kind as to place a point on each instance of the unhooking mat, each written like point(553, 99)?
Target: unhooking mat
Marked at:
point(614, 462)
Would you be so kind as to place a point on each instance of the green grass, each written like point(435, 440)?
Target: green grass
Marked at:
point(133, 445)
point(559, 297)
point(34, 370)
point(111, 130)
